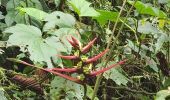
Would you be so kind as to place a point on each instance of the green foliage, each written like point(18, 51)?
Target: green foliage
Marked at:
point(116, 74)
point(40, 31)
point(106, 16)
point(14, 15)
point(82, 8)
point(68, 90)
point(60, 19)
point(2, 96)
point(38, 14)
point(161, 95)
point(147, 9)
point(31, 37)
point(146, 27)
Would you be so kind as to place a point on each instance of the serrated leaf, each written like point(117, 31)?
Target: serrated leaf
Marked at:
point(148, 9)
point(59, 19)
point(31, 37)
point(82, 8)
point(36, 13)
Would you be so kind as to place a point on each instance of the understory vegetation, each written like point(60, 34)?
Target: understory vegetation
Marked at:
point(84, 50)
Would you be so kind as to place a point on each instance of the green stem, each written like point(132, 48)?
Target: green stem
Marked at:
point(29, 18)
point(85, 92)
point(131, 30)
point(99, 78)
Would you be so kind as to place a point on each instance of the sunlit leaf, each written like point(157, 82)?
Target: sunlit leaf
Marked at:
point(82, 8)
point(36, 13)
point(148, 9)
point(106, 16)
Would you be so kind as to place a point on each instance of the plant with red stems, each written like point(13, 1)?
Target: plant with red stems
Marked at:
point(84, 67)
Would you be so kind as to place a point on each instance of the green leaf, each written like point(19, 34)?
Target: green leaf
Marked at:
point(162, 38)
point(2, 96)
point(57, 2)
point(152, 64)
point(31, 37)
point(148, 9)
point(106, 16)
point(163, 1)
point(59, 19)
point(14, 15)
point(1, 16)
point(82, 8)
point(161, 95)
point(36, 13)
point(146, 27)
point(116, 75)
point(90, 92)
point(71, 90)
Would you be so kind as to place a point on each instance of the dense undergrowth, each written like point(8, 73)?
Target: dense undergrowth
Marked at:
point(66, 50)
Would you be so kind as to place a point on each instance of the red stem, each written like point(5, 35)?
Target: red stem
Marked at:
point(47, 70)
point(69, 70)
point(96, 57)
point(94, 73)
point(64, 76)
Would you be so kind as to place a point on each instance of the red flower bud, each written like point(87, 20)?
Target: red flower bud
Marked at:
point(90, 60)
point(88, 46)
point(69, 57)
point(72, 43)
point(76, 42)
point(94, 73)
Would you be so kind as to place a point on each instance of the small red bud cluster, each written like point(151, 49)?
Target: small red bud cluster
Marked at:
point(84, 66)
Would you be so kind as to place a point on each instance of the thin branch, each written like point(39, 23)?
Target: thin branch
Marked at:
point(132, 90)
point(99, 78)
